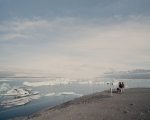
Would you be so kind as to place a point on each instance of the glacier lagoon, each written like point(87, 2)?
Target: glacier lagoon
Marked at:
point(55, 91)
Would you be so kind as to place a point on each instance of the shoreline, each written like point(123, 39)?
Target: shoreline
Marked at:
point(133, 104)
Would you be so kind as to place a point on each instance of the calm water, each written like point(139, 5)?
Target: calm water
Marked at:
point(49, 101)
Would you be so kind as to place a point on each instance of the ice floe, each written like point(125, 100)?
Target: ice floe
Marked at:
point(114, 82)
point(62, 93)
point(68, 93)
point(19, 101)
point(19, 92)
point(86, 82)
point(51, 82)
point(4, 87)
point(100, 83)
point(50, 94)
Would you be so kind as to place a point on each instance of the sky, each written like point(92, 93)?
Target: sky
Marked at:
point(73, 38)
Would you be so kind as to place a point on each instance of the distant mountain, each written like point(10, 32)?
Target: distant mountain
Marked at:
point(133, 74)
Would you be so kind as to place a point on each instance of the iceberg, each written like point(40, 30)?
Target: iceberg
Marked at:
point(19, 101)
point(90, 82)
point(19, 92)
point(83, 83)
point(115, 82)
point(86, 82)
point(56, 82)
point(63, 93)
point(50, 94)
point(68, 93)
point(4, 87)
point(108, 82)
point(100, 83)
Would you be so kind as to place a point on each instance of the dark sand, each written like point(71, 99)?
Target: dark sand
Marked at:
point(133, 104)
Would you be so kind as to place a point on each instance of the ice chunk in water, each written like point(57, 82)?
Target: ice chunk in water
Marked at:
point(100, 83)
point(86, 82)
point(19, 92)
point(36, 84)
point(68, 93)
point(50, 94)
point(63, 93)
point(19, 101)
point(4, 87)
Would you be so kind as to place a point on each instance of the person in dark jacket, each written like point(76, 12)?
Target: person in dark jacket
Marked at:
point(119, 87)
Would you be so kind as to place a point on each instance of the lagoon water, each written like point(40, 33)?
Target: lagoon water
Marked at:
point(47, 100)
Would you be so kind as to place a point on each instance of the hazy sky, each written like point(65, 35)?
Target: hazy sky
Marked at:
point(73, 38)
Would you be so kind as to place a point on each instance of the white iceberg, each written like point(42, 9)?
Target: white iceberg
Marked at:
point(51, 82)
point(19, 101)
point(62, 93)
point(19, 92)
point(86, 82)
point(68, 93)
point(108, 82)
point(100, 83)
point(4, 87)
point(115, 82)
point(83, 82)
point(50, 94)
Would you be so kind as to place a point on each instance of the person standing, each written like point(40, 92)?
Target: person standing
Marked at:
point(122, 87)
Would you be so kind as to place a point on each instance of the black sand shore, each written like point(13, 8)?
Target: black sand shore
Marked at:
point(134, 104)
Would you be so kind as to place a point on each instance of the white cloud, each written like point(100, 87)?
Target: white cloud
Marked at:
point(70, 47)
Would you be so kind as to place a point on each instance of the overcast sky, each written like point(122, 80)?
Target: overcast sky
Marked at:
point(73, 38)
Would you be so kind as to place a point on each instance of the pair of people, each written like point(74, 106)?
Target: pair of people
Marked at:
point(120, 87)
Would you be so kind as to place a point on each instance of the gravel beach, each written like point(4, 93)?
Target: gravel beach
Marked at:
point(133, 104)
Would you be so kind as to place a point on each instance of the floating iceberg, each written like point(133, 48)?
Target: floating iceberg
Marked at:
point(115, 82)
point(100, 83)
point(4, 87)
point(108, 82)
point(19, 101)
point(56, 82)
point(83, 83)
point(68, 93)
point(86, 82)
point(50, 94)
point(19, 92)
point(63, 93)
